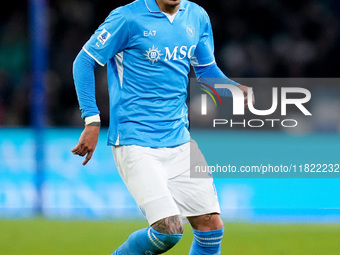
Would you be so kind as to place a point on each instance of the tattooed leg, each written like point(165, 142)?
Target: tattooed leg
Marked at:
point(170, 225)
point(157, 239)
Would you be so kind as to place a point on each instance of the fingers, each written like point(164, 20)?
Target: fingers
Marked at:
point(247, 99)
point(75, 149)
point(83, 150)
point(245, 94)
point(79, 150)
point(88, 157)
point(87, 143)
point(244, 89)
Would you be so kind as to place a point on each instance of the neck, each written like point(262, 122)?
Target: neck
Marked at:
point(168, 8)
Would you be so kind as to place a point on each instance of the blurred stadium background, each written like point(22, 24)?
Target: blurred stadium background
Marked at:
point(44, 188)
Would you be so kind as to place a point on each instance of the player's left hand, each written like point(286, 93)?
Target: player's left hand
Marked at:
point(245, 94)
point(87, 143)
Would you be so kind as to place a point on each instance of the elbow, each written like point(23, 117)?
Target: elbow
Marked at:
point(75, 65)
point(83, 63)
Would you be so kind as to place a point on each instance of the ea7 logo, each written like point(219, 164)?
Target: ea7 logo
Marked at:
point(149, 33)
point(238, 100)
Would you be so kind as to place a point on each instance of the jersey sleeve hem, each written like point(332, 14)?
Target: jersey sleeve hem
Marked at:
point(203, 65)
point(88, 53)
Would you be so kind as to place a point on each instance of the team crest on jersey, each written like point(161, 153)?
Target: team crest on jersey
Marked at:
point(104, 36)
point(190, 31)
point(153, 54)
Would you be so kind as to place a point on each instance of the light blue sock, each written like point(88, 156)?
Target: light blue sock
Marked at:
point(207, 242)
point(147, 241)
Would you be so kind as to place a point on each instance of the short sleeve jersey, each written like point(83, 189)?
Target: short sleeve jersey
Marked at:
point(148, 59)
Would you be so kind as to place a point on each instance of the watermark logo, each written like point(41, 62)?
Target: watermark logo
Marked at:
point(204, 97)
point(239, 100)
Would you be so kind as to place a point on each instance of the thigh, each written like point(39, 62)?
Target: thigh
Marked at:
point(145, 177)
point(194, 196)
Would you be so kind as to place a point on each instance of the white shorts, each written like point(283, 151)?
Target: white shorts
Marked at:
point(159, 181)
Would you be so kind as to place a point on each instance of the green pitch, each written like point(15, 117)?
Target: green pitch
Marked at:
point(44, 237)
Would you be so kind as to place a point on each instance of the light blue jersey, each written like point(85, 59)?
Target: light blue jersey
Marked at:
point(148, 59)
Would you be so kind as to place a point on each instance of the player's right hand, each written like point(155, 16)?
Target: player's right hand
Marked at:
point(87, 143)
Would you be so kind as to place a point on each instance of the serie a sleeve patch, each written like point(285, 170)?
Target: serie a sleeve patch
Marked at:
point(103, 36)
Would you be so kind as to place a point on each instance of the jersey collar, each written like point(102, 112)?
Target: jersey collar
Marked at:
point(153, 7)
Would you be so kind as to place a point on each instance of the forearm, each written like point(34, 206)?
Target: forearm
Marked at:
point(84, 80)
point(212, 75)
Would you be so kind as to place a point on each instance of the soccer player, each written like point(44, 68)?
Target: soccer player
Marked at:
point(148, 46)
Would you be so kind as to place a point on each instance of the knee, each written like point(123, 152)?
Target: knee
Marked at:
point(217, 223)
point(169, 225)
point(206, 222)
